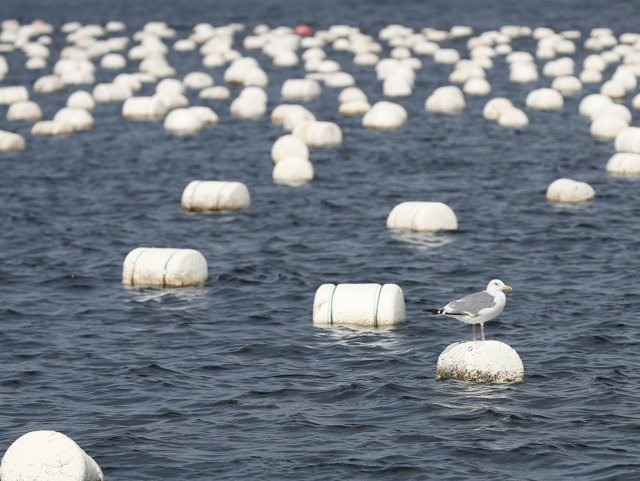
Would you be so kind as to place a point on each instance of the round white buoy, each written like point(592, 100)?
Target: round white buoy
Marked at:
point(607, 127)
point(51, 127)
point(159, 267)
point(81, 99)
point(293, 171)
point(477, 86)
point(48, 455)
point(213, 195)
point(385, 116)
point(113, 61)
point(567, 84)
point(300, 89)
point(363, 305)
point(13, 93)
point(288, 146)
point(111, 92)
point(544, 99)
point(422, 217)
point(494, 107)
point(144, 108)
point(319, 134)
point(635, 103)
point(10, 141)
point(182, 121)
point(480, 361)
point(624, 164)
point(217, 92)
point(79, 119)
point(25, 110)
point(446, 100)
point(569, 191)
point(354, 107)
point(513, 118)
point(628, 140)
point(593, 103)
point(198, 80)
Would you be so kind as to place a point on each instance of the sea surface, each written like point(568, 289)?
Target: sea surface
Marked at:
point(231, 381)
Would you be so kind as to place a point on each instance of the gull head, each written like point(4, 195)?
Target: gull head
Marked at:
point(496, 285)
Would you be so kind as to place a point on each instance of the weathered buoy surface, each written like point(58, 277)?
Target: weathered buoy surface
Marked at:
point(212, 195)
point(570, 191)
point(48, 455)
point(160, 267)
point(628, 140)
point(480, 361)
point(422, 217)
point(624, 164)
point(364, 305)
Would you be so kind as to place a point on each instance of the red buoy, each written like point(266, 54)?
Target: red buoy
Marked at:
point(304, 30)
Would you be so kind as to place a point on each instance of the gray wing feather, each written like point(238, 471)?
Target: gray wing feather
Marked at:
point(471, 304)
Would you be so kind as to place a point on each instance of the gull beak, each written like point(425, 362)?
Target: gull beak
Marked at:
point(507, 288)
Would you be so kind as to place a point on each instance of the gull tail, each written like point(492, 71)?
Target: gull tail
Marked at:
point(435, 312)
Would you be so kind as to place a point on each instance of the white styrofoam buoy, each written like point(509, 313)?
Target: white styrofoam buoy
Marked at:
point(81, 99)
point(477, 86)
point(567, 84)
point(480, 361)
point(206, 114)
point(544, 99)
point(300, 89)
point(293, 170)
point(607, 127)
point(494, 107)
point(513, 117)
point(48, 455)
point(635, 103)
point(197, 80)
point(385, 116)
point(622, 163)
point(446, 100)
point(182, 121)
point(51, 127)
point(216, 92)
point(213, 195)
point(10, 141)
point(48, 84)
point(144, 108)
point(319, 134)
point(569, 191)
point(79, 119)
point(113, 61)
point(363, 305)
point(350, 94)
point(13, 93)
point(591, 104)
point(25, 110)
point(288, 146)
point(160, 267)
point(354, 107)
point(422, 217)
point(628, 140)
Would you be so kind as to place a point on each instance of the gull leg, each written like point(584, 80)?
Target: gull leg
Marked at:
point(473, 331)
point(482, 329)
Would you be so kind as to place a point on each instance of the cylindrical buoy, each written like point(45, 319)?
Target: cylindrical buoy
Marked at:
point(480, 361)
point(159, 267)
point(144, 108)
point(446, 100)
point(628, 140)
point(25, 110)
point(288, 146)
point(10, 141)
point(544, 99)
point(182, 121)
point(569, 191)
point(364, 305)
point(319, 134)
point(293, 171)
point(212, 195)
point(48, 455)
point(513, 117)
point(51, 127)
point(385, 116)
point(13, 93)
point(624, 164)
point(422, 217)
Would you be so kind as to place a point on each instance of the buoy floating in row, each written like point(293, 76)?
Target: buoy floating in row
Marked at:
point(162, 267)
point(422, 217)
point(50, 456)
point(363, 305)
point(211, 195)
point(626, 160)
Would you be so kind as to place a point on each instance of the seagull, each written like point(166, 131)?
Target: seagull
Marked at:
point(477, 308)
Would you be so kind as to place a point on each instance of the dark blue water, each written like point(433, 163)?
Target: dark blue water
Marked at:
point(231, 381)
